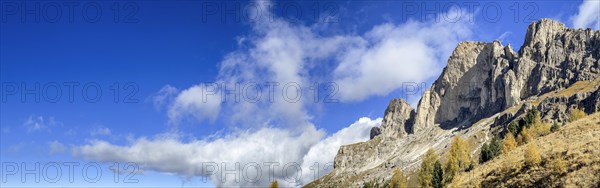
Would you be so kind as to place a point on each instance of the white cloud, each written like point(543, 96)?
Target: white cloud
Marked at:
point(392, 55)
point(38, 123)
point(164, 96)
point(588, 15)
point(192, 102)
point(56, 147)
point(169, 154)
point(279, 55)
point(100, 131)
point(324, 152)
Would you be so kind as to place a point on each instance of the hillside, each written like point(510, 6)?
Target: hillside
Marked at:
point(570, 158)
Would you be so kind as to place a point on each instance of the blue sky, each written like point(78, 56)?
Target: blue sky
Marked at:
point(139, 71)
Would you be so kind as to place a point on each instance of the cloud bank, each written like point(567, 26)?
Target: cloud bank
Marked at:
point(279, 153)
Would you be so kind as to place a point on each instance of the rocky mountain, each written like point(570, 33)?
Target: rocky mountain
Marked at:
point(484, 85)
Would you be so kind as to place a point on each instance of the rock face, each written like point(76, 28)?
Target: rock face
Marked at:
point(482, 79)
point(472, 85)
point(375, 131)
point(395, 126)
point(554, 57)
point(480, 83)
point(398, 119)
point(557, 106)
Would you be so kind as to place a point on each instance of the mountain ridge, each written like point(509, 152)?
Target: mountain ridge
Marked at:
point(480, 88)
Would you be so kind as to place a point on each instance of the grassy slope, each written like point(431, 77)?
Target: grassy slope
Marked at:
point(577, 144)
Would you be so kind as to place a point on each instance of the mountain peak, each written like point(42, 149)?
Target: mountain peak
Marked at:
point(542, 31)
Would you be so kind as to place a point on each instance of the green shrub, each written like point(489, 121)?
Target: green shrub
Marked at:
point(555, 127)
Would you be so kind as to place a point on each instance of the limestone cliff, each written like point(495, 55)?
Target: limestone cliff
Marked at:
point(482, 86)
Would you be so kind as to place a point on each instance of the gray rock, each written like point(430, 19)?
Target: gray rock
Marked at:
point(557, 57)
point(375, 131)
point(398, 119)
point(558, 107)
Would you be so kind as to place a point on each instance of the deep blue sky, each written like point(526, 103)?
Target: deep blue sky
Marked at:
point(169, 43)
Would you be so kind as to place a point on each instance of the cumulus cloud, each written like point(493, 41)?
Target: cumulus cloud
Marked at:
point(195, 102)
point(392, 55)
point(280, 54)
point(291, 155)
point(588, 15)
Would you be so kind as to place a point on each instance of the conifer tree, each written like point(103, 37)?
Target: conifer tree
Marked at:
point(437, 179)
